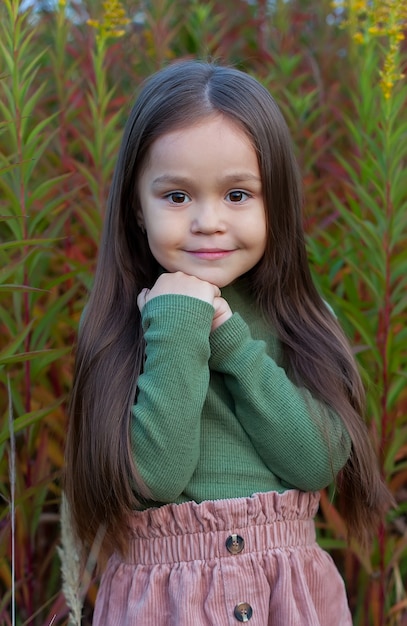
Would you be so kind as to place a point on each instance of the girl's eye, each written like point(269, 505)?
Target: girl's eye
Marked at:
point(237, 196)
point(177, 197)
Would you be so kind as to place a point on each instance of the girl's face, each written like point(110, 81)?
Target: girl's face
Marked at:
point(201, 201)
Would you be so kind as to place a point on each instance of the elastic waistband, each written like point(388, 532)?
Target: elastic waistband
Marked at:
point(222, 528)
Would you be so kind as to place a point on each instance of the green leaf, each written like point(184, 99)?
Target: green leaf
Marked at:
point(8, 288)
point(10, 349)
point(47, 356)
point(28, 242)
point(27, 420)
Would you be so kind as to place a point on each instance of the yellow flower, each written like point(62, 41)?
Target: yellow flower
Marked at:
point(113, 21)
point(385, 19)
point(358, 37)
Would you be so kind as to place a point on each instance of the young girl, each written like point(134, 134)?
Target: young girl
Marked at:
point(214, 391)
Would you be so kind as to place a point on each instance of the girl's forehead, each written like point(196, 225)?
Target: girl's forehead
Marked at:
point(216, 134)
point(216, 125)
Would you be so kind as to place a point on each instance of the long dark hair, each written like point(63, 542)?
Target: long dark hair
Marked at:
point(101, 481)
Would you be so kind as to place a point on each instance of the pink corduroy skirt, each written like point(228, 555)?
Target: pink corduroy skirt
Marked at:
point(222, 562)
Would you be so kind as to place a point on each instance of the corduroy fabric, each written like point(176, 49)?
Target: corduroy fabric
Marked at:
point(179, 572)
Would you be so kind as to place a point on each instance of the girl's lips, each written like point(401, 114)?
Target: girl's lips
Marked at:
point(210, 255)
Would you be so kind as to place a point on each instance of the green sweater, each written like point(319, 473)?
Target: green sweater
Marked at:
point(217, 417)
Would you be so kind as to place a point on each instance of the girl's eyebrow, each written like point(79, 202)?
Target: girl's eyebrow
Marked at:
point(170, 179)
point(238, 177)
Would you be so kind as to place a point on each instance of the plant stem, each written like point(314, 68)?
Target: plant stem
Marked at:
point(17, 91)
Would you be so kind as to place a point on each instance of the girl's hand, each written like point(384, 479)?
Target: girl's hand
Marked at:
point(221, 314)
point(182, 284)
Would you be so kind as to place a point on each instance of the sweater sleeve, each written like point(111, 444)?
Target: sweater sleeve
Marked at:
point(299, 439)
point(171, 392)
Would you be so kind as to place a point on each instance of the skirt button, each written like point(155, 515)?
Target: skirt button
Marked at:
point(243, 612)
point(235, 544)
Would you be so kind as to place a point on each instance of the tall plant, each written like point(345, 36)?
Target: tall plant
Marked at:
point(367, 260)
point(33, 323)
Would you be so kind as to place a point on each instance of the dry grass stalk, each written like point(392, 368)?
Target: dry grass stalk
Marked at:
point(76, 577)
point(12, 472)
point(70, 554)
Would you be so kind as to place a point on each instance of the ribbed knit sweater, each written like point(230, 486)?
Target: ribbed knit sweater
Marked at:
point(216, 416)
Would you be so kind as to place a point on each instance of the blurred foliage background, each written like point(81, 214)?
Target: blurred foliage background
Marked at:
point(69, 72)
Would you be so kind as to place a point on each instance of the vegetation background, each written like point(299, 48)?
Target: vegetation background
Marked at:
point(69, 72)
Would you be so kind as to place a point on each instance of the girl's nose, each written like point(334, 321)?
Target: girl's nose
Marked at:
point(208, 218)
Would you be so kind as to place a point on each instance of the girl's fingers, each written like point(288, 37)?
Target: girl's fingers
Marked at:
point(221, 314)
point(186, 285)
point(182, 284)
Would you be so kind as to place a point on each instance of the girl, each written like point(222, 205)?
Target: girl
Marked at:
point(214, 392)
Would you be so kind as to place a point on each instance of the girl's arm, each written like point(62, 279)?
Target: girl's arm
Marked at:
point(299, 439)
point(171, 392)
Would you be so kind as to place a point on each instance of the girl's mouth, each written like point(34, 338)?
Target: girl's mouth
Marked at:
point(209, 254)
